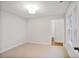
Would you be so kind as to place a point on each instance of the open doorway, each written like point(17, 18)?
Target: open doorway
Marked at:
point(57, 32)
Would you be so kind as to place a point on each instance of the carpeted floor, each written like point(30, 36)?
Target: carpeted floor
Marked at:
point(31, 50)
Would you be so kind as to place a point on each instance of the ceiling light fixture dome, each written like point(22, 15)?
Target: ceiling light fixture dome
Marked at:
point(32, 8)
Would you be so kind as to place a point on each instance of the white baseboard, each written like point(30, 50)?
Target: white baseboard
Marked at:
point(14, 46)
point(42, 43)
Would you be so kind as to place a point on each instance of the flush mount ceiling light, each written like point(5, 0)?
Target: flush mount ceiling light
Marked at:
point(32, 8)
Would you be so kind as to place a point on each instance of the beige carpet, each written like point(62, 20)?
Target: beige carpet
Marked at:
point(36, 51)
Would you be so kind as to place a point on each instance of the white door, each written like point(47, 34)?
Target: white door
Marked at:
point(71, 30)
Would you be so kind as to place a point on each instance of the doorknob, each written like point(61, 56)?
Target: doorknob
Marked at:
point(76, 48)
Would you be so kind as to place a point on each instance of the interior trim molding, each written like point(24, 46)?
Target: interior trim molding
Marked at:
point(42, 43)
point(14, 46)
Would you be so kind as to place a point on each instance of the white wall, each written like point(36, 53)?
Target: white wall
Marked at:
point(39, 30)
point(43, 29)
point(53, 22)
point(59, 30)
point(0, 30)
point(13, 31)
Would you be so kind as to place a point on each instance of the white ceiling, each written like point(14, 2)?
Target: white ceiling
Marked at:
point(47, 8)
